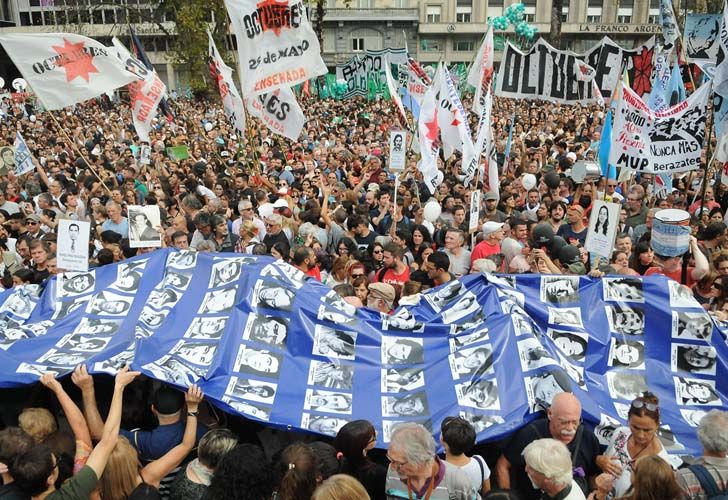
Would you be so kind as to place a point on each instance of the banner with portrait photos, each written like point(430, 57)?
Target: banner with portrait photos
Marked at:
point(492, 349)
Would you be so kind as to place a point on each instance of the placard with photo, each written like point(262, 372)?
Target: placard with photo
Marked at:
point(444, 295)
point(185, 259)
point(692, 358)
point(327, 313)
point(602, 229)
point(128, 276)
point(476, 320)
point(54, 357)
point(72, 245)
point(144, 222)
point(331, 374)
point(692, 417)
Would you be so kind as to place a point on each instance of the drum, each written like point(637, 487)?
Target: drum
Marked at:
point(671, 232)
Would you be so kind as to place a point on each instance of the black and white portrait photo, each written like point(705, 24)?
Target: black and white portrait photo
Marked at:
point(626, 289)
point(402, 379)
point(331, 374)
point(560, 289)
point(166, 297)
point(695, 359)
point(75, 284)
point(627, 354)
point(270, 330)
point(568, 316)
point(38, 328)
point(251, 389)
point(58, 358)
point(443, 295)
point(143, 224)
point(402, 351)
point(533, 355)
point(83, 343)
point(397, 150)
point(602, 228)
point(72, 245)
point(474, 321)
point(481, 394)
point(334, 300)
point(218, 301)
point(327, 313)
point(186, 259)
point(467, 304)
point(258, 362)
point(271, 295)
point(574, 371)
point(128, 276)
point(197, 353)
point(411, 405)
point(692, 417)
point(523, 325)
point(206, 328)
point(470, 363)
point(571, 344)
point(606, 427)
point(40, 370)
point(626, 385)
point(249, 409)
point(322, 424)
point(116, 362)
point(328, 401)
point(224, 272)
point(464, 340)
point(19, 304)
point(332, 343)
point(480, 422)
point(681, 295)
point(403, 320)
point(691, 325)
point(152, 319)
point(62, 308)
point(541, 388)
point(109, 304)
point(176, 280)
point(627, 320)
point(696, 392)
point(173, 370)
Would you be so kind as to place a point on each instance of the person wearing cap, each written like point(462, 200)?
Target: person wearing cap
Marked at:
point(570, 260)
point(494, 234)
point(491, 208)
point(274, 231)
point(575, 230)
point(381, 297)
point(33, 228)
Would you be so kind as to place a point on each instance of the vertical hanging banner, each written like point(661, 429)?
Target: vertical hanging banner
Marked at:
point(481, 72)
point(23, 157)
point(610, 60)
point(701, 38)
point(280, 112)
point(659, 142)
point(232, 103)
point(276, 44)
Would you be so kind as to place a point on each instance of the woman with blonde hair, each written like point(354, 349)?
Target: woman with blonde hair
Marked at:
point(248, 237)
point(124, 479)
point(340, 487)
point(338, 273)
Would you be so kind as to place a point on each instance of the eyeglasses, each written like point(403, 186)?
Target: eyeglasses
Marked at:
point(638, 404)
point(634, 199)
point(32, 223)
point(396, 464)
point(355, 276)
point(378, 251)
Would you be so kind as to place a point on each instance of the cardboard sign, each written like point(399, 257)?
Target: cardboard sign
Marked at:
point(72, 250)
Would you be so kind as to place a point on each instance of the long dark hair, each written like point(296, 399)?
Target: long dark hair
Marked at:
point(350, 442)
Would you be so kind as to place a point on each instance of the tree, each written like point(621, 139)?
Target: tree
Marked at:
point(555, 34)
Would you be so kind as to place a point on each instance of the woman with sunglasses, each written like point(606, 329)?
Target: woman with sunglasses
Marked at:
point(637, 440)
point(353, 441)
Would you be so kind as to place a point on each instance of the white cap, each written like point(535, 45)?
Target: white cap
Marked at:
point(280, 203)
point(491, 227)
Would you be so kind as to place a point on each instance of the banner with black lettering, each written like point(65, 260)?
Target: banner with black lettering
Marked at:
point(610, 61)
point(543, 73)
point(276, 44)
point(280, 112)
point(363, 72)
point(659, 142)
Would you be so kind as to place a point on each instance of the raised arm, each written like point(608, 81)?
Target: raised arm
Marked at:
point(85, 382)
point(154, 472)
point(503, 472)
point(72, 412)
point(702, 267)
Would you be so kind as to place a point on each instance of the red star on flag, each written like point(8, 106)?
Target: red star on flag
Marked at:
point(76, 61)
point(455, 122)
point(274, 15)
point(432, 129)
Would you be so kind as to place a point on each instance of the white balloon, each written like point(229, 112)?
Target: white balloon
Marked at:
point(20, 85)
point(432, 210)
point(208, 126)
point(32, 118)
point(528, 181)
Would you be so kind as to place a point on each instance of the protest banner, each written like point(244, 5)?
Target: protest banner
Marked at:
point(609, 61)
point(701, 37)
point(667, 141)
point(362, 71)
point(603, 225)
point(280, 112)
point(72, 250)
point(276, 45)
point(178, 153)
point(23, 157)
point(222, 74)
point(397, 150)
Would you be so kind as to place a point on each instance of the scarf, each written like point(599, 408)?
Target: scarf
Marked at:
point(202, 472)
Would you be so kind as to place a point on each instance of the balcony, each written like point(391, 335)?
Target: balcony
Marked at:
point(369, 15)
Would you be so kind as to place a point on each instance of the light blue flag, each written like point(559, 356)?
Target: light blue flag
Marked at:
point(676, 88)
point(605, 144)
point(659, 96)
point(409, 102)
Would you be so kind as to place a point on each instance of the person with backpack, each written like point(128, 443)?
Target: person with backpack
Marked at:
point(707, 479)
point(457, 436)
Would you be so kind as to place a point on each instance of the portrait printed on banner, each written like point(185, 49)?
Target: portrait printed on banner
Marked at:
point(109, 304)
point(695, 359)
point(696, 392)
point(626, 320)
point(691, 325)
point(523, 325)
point(206, 328)
point(402, 379)
point(518, 297)
point(116, 362)
point(402, 351)
point(197, 353)
point(533, 354)
point(331, 374)
point(467, 304)
point(72, 249)
point(73, 284)
point(481, 394)
point(602, 229)
point(334, 300)
point(253, 390)
point(626, 385)
point(62, 308)
point(327, 313)
point(470, 363)
point(176, 280)
point(7, 160)
point(83, 343)
point(152, 319)
point(271, 330)
point(541, 388)
point(681, 295)
point(224, 272)
point(328, 401)
point(560, 289)
point(692, 417)
point(271, 295)
point(172, 370)
point(258, 362)
point(185, 259)
point(403, 320)
point(143, 224)
point(218, 301)
point(575, 372)
point(38, 329)
point(332, 343)
point(627, 354)
point(443, 295)
point(18, 304)
point(128, 276)
point(249, 409)
point(40, 370)
point(571, 344)
point(322, 424)
point(606, 427)
point(55, 357)
point(295, 275)
point(469, 323)
point(626, 289)
point(464, 340)
point(411, 405)
point(164, 298)
point(480, 422)
point(568, 316)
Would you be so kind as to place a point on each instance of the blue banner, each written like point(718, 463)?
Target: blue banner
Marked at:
point(264, 343)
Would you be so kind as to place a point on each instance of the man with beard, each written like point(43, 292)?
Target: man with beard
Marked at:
point(304, 259)
point(557, 210)
point(491, 208)
point(395, 272)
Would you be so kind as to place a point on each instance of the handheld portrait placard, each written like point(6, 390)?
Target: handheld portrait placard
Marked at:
point(397, 157)
point(72, 252)
point(142, 221)
point(602, 228)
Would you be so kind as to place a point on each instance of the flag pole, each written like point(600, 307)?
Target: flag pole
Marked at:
point(708, 159)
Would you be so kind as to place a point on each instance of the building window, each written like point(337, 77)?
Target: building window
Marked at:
point(565, 12)
point(625, 11)
point(430, 45)
point(357, 44)
point(463, 11)
point(401, 4)
point(365, 4)
point(97, 16)
point(653, 16)
point(433, 14)
point(594, 11)
point(463, 45)
point(530, 12)
point(495, 8)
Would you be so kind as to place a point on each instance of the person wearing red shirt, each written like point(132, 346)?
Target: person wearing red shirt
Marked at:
point(304, 259)
point(672, 266)
point(493, 232)
point(395, 272)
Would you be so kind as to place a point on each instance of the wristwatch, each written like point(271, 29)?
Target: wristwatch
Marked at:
point(193, 413)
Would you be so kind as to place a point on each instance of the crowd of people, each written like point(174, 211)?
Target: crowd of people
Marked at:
point(329, 205)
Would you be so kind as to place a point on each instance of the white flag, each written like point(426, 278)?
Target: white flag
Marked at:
point(429, 134)
point(670, 30)
point(232, 103)
point(65, 68)
point(394, 92)
point(451, 116)
point(481, 72)
point(144, 94)
point(276, 44)
point(280, 112)
point(720, 78)
point(23, 157)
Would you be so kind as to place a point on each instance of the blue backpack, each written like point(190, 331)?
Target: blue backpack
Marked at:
point(710, 487)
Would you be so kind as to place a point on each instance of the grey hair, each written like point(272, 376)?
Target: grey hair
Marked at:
point(551, 458)
point(713, 431)
point(214, 445)
point(112, 203)
point(206, 246)
point(415, 441)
